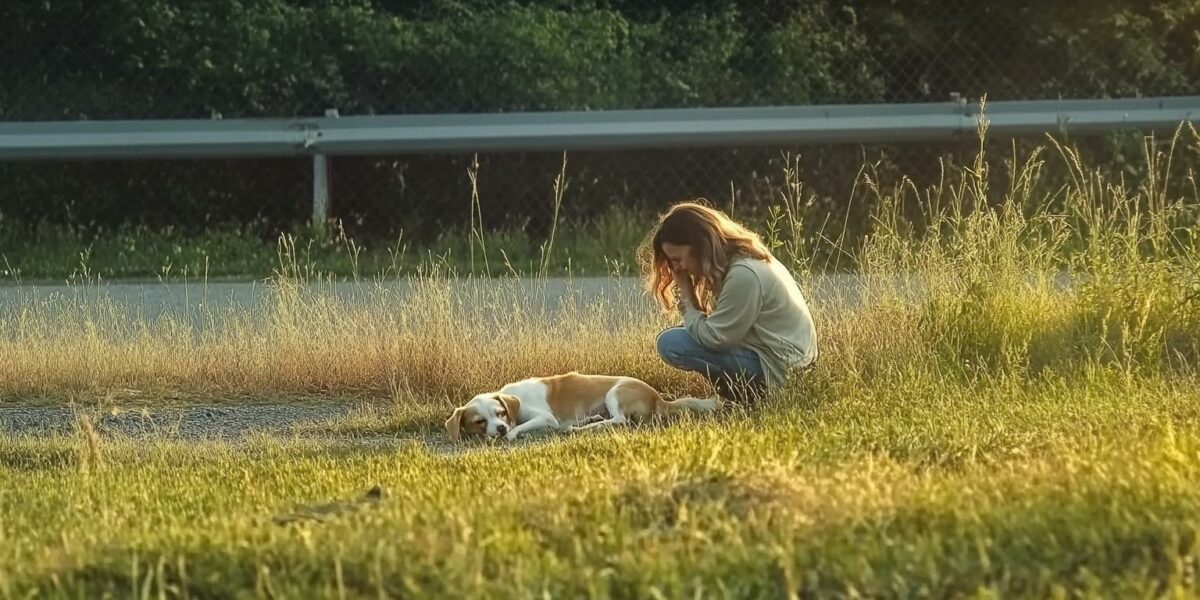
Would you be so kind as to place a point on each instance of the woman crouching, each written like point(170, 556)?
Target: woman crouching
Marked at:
point(746, 325)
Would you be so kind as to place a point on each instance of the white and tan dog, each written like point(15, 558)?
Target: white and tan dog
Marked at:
point(568, 402)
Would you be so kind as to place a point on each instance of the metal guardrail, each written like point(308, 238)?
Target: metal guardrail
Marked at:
point(598, 130)
point(571, 131)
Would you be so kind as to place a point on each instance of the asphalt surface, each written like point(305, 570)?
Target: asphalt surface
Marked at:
point(150, 300)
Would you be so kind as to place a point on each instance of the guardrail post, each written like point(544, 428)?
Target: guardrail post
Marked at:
point(320, 191)
point(322, 171)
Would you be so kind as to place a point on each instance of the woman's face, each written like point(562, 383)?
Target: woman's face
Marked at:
point(681, 258)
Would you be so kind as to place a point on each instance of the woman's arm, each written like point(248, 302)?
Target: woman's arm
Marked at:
point(736, 310)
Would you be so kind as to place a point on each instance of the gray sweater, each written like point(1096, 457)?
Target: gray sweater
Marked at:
point(759, 306)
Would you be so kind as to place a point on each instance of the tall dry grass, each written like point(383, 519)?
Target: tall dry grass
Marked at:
point(1025, 278)
point(432, 337)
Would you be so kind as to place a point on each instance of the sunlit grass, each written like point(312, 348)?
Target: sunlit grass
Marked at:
point(1025, 489)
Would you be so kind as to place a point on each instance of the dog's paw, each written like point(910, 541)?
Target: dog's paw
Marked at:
point(511, 435)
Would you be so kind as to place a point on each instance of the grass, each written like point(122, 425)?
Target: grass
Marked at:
point(975, 427)
point(1029, 490)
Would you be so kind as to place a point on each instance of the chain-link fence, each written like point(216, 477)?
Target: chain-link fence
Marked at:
point(68, 60)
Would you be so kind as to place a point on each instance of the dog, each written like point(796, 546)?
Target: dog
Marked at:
point(570, 402)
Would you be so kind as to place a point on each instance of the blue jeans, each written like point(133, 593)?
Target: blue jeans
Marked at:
point(733, 372)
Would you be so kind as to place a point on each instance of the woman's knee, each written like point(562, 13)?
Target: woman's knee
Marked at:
point(673, 344)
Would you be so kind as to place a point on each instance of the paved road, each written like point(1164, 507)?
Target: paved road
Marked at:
point(153, 299)
point(148, 301)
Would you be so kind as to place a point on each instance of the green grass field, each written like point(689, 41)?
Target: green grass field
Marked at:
point(1030, 489)
point(975, 428)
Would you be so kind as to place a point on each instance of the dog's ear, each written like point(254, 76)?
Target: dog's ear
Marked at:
point(512, 406)
point(454, 423)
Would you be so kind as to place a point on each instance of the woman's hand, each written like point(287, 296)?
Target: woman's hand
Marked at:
point(687, 290)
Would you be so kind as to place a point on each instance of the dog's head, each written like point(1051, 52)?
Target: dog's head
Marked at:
point(490, 415)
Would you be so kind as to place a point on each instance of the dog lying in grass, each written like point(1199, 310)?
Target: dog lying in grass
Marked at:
point(570, 402)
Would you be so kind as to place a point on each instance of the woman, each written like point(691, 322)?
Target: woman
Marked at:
point(745, 322)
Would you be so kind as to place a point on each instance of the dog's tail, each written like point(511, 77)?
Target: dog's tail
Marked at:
point(687, 404)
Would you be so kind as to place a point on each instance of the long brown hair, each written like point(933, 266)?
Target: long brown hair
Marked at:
point(715, 240)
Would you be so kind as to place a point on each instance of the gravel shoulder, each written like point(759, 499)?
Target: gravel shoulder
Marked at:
point(188, 422)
